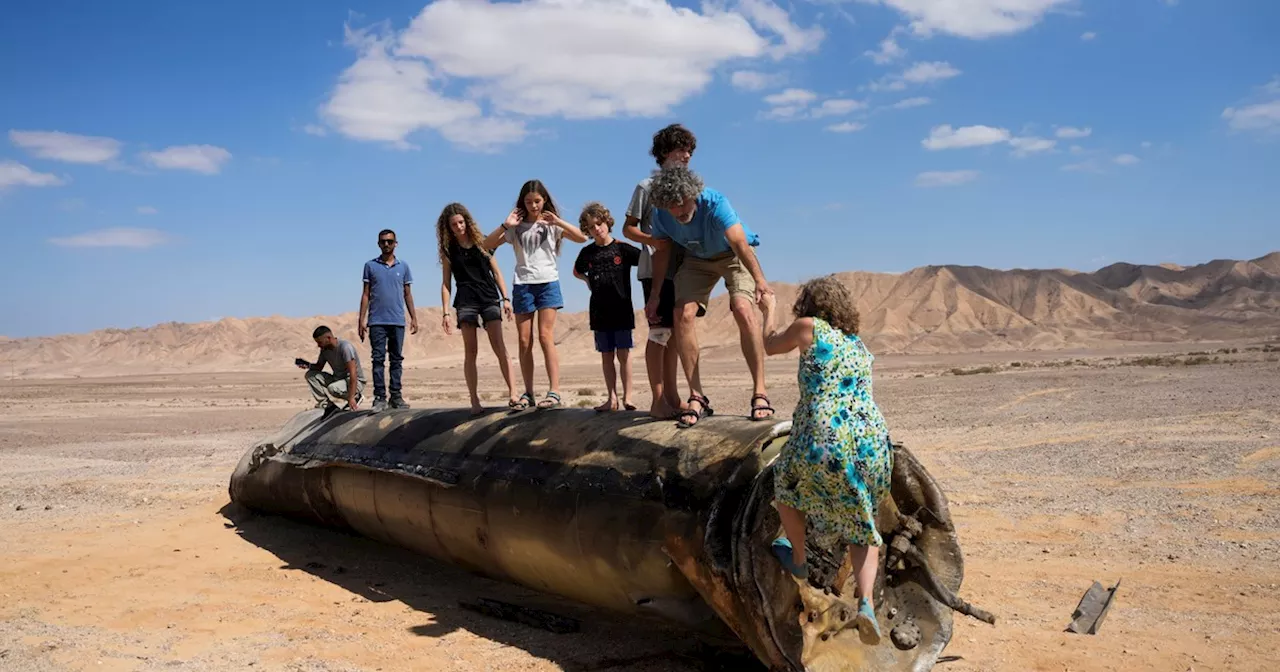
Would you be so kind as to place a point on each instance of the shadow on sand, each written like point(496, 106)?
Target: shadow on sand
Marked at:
point(382, 573)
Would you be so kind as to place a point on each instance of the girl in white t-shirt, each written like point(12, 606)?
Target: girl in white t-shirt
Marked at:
point(535, 230)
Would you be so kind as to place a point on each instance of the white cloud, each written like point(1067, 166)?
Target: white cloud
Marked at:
point(1126, 160)
point(456, 70)
point(114, 237)
point(67, 147)
point(951, 178)
point(1026, 146)
point(205, 159)
point(1090, 166)
point(889, 50)
point(837, 107)
point(754, 80)
point(791, 97)
point(846, 127)
point(1071, 133)
point(14, 174)
point(918, 73)
point(1089, 36)
point(1146, 144)
point(946, 137)
point(921, 73)
point(974, 19)
point(146, 210)
point(912, 102)
point(315, 129)
point(1077, 150)
point(1262, 116)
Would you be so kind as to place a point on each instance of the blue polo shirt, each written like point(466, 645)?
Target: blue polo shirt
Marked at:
point(386, 291)
point(703, 236)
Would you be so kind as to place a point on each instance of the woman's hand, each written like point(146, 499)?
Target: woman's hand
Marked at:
point(444, 322)
point(549, 218)
point(507, 312)
point(513, 219)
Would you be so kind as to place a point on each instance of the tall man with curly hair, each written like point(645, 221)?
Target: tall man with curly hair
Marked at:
point(673, 145)
point(717, 246)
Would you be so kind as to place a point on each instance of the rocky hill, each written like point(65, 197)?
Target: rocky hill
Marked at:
point(932, 309)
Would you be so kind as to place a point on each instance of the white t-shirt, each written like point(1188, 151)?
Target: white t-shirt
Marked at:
point(535, 247)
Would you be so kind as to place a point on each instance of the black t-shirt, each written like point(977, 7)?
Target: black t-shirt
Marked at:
point(607, 269)
point(473, 275)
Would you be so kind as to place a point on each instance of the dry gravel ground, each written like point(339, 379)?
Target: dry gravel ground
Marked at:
point(115, 554)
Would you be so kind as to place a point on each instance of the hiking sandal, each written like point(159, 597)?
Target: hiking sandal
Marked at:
point(526, 400)
point(552, 400)
point(766, 407)
point(684, 416)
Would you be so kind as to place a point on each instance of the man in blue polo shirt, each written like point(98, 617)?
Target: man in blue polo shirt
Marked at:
point(383, 302)
point(717, 247)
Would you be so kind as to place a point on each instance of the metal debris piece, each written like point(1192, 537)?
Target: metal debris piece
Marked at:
point(906, 635)
point(1092, 609)
point(537, 618)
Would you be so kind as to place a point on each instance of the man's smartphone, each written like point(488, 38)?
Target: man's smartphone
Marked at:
point(301, 363)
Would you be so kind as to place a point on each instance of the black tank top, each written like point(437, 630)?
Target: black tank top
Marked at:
point(473, 276)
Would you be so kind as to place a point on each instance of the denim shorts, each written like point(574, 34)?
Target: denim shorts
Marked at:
point(608, 341)
point(479, 315)
point(527, 299)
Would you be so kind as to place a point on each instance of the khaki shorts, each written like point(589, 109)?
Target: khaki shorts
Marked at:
point(698, 277)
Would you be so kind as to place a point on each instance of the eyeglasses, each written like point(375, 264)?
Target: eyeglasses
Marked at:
point(386, 241)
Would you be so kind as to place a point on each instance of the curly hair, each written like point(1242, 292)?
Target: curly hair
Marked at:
point(670, 139)
point(674, 185)
point(444, 237)
point(829, 299)
point(595, 211)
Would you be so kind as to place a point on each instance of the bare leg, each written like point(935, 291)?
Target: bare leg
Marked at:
point(494, 329)
point(686, 342)
point(866, 559)
point(654, 360)
point(793, 524)
point(547, 339)
point(752, 341)
point(470, 349)
point(670, 370)
point(610, 381)
point(624, 372)
point(524, 330)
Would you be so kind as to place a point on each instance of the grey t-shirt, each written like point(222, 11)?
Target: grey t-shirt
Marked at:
point(338, 357)
point(641, 209)
point(535, 248)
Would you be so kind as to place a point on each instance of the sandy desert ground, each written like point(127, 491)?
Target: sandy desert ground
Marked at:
point(1070, 467)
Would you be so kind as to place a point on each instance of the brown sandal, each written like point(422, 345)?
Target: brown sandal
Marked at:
point(765, 407)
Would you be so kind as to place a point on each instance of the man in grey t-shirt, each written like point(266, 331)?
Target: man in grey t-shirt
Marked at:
point(671, 145)
point(347, 380)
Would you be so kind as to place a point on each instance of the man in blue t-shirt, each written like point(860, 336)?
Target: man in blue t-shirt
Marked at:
point(717, 247)
point(383, 304)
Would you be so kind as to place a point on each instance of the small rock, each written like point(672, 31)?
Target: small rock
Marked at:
point(48, 507)
point(19, 507)
point(1173, 556)
point(1044, 550)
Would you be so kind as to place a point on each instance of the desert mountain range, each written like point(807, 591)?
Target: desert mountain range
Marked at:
point(931, 309)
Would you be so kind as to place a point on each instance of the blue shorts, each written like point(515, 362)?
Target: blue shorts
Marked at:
point(608, 341)
point(527, 299)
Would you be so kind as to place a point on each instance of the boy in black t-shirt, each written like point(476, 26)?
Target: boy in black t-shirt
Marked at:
point(605, 265)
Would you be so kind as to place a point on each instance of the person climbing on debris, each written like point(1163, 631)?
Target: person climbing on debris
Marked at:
point(837, 463)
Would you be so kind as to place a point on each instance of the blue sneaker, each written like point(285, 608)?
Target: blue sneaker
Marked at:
point(783, 551)
point(868, 626)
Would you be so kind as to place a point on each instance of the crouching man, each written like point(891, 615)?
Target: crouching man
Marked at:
point(347, 380)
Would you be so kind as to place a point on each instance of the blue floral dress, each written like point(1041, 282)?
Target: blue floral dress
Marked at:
point(837, 463)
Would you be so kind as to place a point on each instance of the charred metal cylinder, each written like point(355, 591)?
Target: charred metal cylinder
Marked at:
point(618, 511)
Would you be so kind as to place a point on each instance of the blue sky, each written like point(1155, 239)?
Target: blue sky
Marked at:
point(190, 161)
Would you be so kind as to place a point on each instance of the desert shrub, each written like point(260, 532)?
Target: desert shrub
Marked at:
point(1016, 365)
point(974, 371)
point(586, 392)
point(1197, 360)
point(1154, 361)
point(583, 403)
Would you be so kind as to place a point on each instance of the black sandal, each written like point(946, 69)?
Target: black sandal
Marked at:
point(697, 416)
point(552, 400)
point(765, 407)
point(526, 400)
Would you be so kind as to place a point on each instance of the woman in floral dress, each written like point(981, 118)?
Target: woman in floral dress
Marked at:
point(836, 465)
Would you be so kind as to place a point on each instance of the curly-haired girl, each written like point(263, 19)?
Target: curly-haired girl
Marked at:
point(836, 465)
point(481, 296)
